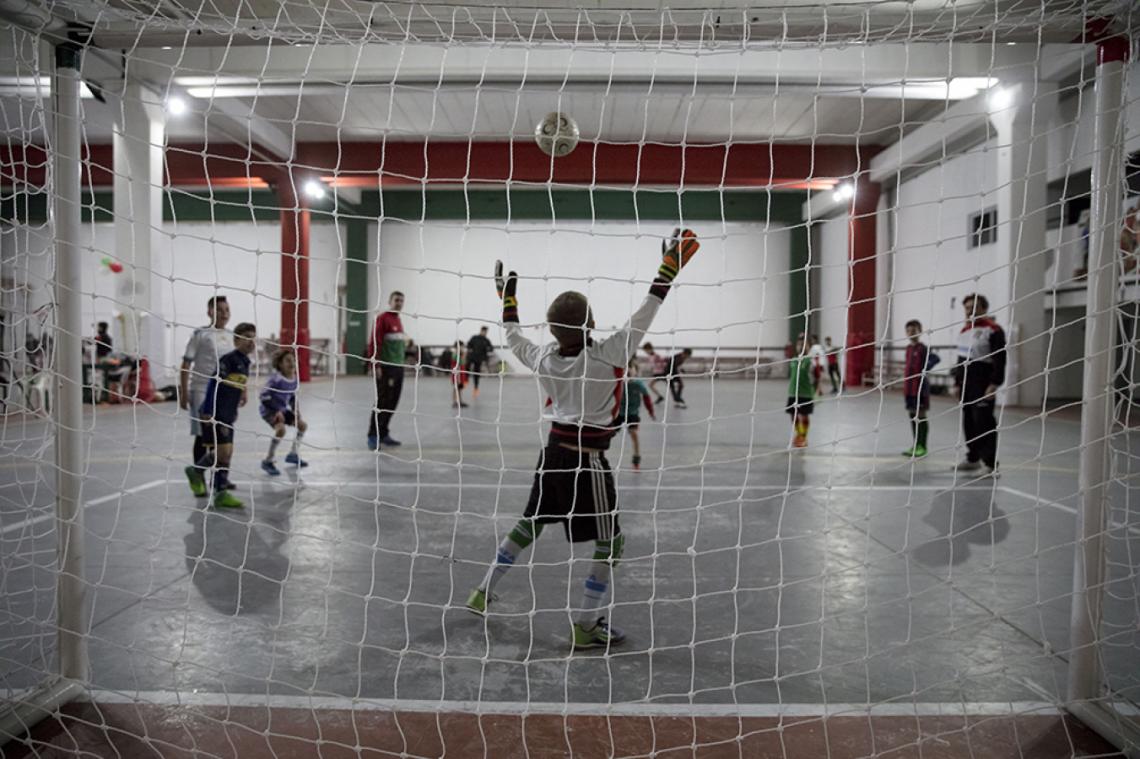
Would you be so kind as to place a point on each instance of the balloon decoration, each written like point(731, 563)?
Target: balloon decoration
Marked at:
point(114, 266)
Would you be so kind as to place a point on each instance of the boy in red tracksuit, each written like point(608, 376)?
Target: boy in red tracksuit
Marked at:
point(978, 374)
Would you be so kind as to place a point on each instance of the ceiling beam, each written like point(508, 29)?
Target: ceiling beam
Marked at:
point(880, 64)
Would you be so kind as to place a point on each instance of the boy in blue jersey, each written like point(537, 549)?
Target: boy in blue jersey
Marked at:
point(225, 393)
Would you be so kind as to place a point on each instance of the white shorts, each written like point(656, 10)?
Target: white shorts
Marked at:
point(197, 398)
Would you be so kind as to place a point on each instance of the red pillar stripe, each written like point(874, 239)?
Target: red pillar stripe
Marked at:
point(861, 248)
point(295, 275)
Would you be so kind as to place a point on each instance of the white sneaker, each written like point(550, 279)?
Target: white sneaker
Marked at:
point(992, 471)
point(967, 466)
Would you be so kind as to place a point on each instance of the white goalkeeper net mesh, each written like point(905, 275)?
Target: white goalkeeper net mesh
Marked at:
point(853, 173)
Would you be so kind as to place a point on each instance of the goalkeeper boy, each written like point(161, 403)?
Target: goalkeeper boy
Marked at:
point(573, 483)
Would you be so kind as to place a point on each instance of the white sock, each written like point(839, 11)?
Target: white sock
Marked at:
point(273, 443)
point(297, 440)
point(594, 594)
point(505, 558)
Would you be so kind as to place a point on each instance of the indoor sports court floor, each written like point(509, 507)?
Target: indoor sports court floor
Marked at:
point(840, 575)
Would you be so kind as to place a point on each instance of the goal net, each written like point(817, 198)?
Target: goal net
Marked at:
point(858, 481)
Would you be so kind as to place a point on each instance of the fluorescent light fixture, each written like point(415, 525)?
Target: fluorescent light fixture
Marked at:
point(314, 189)
point(175, 106)
point(843, 192)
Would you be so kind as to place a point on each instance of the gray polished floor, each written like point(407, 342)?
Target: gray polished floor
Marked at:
point(839, 574)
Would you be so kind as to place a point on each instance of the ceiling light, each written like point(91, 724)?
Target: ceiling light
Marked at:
point(843, 192)
point(314, 189)
point(175, 106)
point(1000, 98)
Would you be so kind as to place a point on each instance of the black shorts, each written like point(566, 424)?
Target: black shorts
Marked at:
point(577, 489)
point(920, 402)
point(628, 420)
point(217, 433)
point(290, 418)
point(799, 406)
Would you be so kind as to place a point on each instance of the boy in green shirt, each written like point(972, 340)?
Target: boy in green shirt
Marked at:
point(801, 392)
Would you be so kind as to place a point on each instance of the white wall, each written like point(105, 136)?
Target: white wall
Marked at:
point(833, 279)
point(733, 294)
point(195, 261)
point(1070, 144)
point(933, 268)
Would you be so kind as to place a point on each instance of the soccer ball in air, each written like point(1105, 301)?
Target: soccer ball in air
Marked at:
point(556, 134)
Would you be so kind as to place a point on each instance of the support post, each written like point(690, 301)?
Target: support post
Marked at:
point(1086, 683)
point(862, 243)
point(294, 273)
point(138, 145)
point(71, 601)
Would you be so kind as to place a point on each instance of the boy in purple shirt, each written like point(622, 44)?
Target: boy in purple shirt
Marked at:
point(279, 410)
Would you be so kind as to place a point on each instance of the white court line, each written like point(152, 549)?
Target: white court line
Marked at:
point(88, 504)
point(1134, 529)
point(901, 709)
point(681, 488)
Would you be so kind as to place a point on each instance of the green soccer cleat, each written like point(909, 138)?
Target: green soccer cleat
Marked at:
point(477, 602)
point(917, 452)
point(225, 500)
point(599, 636)
point(197, 481)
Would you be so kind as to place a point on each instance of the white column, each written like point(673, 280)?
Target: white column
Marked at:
point(138, 141)
point(1022, 129)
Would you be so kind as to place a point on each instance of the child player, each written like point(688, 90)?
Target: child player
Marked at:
point(279, 410)
point(636, 393)
point(659, 367)
point(916, 388)
point(219, 411)
point(573, 483)
point(801, 392)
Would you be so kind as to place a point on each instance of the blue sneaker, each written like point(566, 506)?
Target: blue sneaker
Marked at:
point(295, 460)
point(389, 440)
point(373, 442)
point(270, 468)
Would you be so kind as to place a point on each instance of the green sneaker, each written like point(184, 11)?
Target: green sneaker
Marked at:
point(599, 636)
point(197, 481)
point(225, 500)
point(917, 452)
point(477, 602)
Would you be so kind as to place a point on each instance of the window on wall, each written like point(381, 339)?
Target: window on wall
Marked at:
point(983, 227)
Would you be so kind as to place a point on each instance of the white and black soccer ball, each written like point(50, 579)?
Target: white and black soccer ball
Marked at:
point(556, 134)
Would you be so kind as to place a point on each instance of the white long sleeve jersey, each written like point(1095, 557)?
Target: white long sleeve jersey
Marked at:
point(585, 389)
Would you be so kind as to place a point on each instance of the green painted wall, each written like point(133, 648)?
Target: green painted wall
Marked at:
point(798, 260)
point(356, 292)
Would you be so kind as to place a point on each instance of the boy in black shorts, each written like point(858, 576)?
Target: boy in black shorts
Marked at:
point(573, 483)
point(219, 411)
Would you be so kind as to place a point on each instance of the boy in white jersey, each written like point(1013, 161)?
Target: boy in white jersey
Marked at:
point(573, 483)
point(200, 365)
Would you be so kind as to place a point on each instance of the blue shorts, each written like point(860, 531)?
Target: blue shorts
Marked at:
point(290, 418)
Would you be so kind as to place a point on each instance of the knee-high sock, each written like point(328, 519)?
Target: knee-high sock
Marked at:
point(516, 541)
point(593, 593)
point(199, 449)
point(273, 443)
point(923, 431)
point(297, 441)
point(914, 430)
